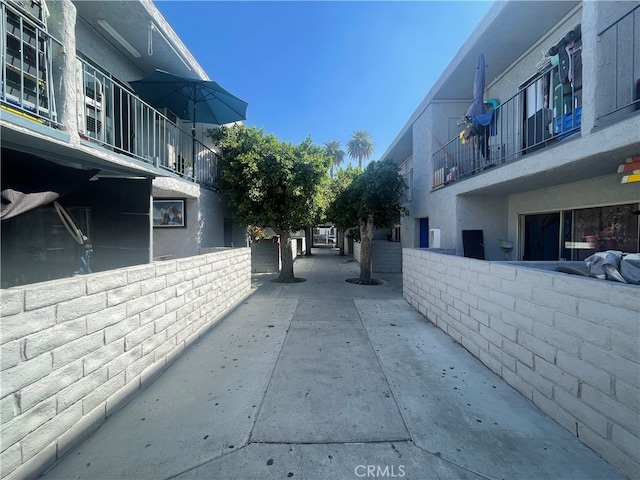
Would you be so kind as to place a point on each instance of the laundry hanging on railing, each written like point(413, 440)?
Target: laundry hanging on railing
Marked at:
point(562, 54)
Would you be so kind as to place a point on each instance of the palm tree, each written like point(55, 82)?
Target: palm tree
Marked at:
point(332, 149)
point(360, 146)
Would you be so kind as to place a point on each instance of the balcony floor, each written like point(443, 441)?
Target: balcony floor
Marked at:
point(326, 379)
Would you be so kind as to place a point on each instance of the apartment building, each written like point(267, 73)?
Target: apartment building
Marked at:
point(540, 175)
point(136, 179)
point(537, 177)
point(135, 202)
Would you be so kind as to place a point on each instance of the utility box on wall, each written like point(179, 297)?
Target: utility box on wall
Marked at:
point(434, 238)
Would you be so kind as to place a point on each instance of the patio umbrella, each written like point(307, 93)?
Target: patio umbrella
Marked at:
point(477, 106)
point(191, 98)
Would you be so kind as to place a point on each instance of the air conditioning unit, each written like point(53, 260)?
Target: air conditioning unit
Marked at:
point(434, 238)
point(172, 117)
point(91, 115)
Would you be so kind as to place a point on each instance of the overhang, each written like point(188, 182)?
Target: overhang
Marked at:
point(507, 32)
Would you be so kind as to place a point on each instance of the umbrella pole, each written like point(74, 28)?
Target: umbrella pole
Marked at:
point(193, 140)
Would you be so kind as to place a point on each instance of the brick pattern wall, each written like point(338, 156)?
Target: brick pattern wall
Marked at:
point(75, 350)
point(265, 257)
point(387, 256)
point(567, 343)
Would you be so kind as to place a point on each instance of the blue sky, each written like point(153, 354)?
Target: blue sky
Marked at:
point(324, 69)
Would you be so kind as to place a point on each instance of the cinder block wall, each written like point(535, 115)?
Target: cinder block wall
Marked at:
point(75, 350)
point(567, 343)
point(265, 257)
point(387, 256)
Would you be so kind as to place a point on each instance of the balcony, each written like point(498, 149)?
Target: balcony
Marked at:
point(109, 114)
point(112, 116)
point(548, 109)
point(525, 123)
point(619, 78)
point(26, 85)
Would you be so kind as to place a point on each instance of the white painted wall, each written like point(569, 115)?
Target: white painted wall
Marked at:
point(110, 60)
point(567, 343)
point(76, 350)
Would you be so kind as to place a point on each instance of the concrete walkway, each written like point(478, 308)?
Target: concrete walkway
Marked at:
point(329, 380)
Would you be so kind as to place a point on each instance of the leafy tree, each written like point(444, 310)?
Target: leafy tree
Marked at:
point(339, 211)
point(269, 183)
point(360, 146)
point(373, 199)
point(317, 210)
point(333, 149)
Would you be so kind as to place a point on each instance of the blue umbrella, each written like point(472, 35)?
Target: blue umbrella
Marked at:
point(477, 107)
point(192, 99)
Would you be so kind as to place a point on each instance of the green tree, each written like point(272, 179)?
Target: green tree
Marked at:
point(268, 183)
point(360, 146)
point(317, 210)
point(333, 149)
point(339, 211)
point(373, 199)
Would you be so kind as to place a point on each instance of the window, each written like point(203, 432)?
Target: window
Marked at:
point(577, 234)
point(602, 228)
point(408, 179)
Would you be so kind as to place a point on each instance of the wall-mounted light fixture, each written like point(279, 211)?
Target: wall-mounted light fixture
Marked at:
point(153, 28)
point(119, 38)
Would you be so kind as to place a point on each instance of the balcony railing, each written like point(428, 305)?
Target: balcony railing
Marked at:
point(545, 110)
point(619, 78)
point(26, 83)
point(526, 122)
point(114, 117)
point(109, 114)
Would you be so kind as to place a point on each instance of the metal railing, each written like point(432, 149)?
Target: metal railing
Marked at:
point(111, 115)
point(542, 113)
point(26, 83)
point(619, 78)
point(538, 117)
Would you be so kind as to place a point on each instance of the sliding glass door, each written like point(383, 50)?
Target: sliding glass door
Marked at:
point(577, 234)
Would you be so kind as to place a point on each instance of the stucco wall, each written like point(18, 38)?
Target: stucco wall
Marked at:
point(205, 223)
point(75, 350)
point(506, 85)
point(567, 343)
point(430, 133)
point(488, 210)
point(435, 126)
point(95, 47)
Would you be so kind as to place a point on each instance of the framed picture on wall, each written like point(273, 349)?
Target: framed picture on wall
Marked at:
point(169, 213)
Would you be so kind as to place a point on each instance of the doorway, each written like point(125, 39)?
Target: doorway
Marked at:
point(542, 237)
point(424, 232)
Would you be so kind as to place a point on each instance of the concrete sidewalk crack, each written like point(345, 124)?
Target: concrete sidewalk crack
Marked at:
point(201, 464)
point(384, 374)
point(439, 455)
point(275, 365)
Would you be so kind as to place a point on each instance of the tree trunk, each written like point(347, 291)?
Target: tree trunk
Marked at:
point(286, 258)
point(308, 240)
point(366, 250)
point(340, 232)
